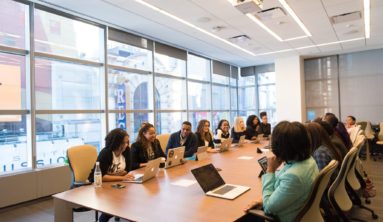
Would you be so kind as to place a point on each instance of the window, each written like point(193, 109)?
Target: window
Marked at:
point(195, 117)
point(170, 93)
point(58, 35)
point(131, 122)
point(67, 86)
point(267, 95)
point(13, 25)
point(129, 56)
point(198, 68)
point(221, 97)
point(169, 122)
point(199, 96)
point(167, 65)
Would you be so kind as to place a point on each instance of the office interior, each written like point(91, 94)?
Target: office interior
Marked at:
point(70, 71)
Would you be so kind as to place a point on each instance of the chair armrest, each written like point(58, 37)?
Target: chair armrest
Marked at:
point(262, 214)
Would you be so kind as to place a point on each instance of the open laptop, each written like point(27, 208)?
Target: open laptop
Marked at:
point(175, 157)
point(213, 185)
point(201, 153)
point(241, 141)
point(151, 170)
point(225, 145)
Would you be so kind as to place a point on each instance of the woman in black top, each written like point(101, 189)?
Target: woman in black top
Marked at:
point(252, 127)
point(264, 126)
point(114, 160)
point(203, 134)
point(146, 147)
point(238, 129)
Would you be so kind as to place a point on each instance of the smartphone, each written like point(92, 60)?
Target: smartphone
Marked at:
point(118, 186)
point(263, 163)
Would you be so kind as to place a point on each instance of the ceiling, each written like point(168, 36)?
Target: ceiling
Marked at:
point(223, 21)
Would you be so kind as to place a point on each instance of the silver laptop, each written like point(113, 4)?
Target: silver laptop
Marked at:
point(241, 141)
point(225, 145)
point(213, 185)
point(201, 153)
point(175, 157)
point(151, 170)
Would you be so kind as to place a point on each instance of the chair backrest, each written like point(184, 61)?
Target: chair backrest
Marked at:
point(163, 138)
point(311, 210)
point(355, 131)
point(380, 135)
point(81, 161)
point(352, 179)
point(337, 193)
point(362, 125)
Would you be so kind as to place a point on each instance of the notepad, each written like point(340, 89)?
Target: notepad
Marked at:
point(245, 157)
point(184, 182)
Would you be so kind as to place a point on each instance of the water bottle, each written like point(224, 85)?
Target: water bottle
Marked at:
point(97, 176)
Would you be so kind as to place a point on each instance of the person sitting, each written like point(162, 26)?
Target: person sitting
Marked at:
point(339, 129)
point(222, 132)
point(184, 137)
point(264, 126)
point(146, 147)
point(285, 192)
point(335, 140)
point(350, 123)
point(238, 129)
point(114, 161)
point(252, 127)
point(204, 137)
point(323, 149)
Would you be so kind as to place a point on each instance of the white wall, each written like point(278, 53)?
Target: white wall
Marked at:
point(290, 89)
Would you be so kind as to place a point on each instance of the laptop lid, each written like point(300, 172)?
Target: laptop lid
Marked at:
point(175, 157)
point(151, 169)
point(225, 145)
point(208, 177)
point(201, 153)
point(241, 140)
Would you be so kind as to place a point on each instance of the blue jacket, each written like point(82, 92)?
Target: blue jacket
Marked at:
point(285, 192)
point(190, 143)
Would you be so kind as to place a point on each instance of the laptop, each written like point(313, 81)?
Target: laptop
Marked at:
point(213, 185)
point(241, 141)
point(151, 170)
point(225, 145)
point(175, 157)
point(201, 153)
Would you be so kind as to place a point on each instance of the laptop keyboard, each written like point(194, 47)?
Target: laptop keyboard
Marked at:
point(224, 189)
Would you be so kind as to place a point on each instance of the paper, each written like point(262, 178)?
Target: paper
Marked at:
point(245, 157)
point(184, 183)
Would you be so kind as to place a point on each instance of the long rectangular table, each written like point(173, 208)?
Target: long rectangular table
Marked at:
point(159, 199)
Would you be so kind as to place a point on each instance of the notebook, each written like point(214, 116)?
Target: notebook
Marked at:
point(175, 157)
point(213, 185)
point(151, 170)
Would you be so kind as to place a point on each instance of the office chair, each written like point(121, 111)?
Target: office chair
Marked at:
point(337, 195)
point(311, 210)
point(163, 138)
point(81, 162)
point(354, 181)
point(379, 142)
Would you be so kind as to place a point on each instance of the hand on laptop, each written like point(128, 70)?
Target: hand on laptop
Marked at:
point(212, 150)
point(129, 176)
point(257, 204)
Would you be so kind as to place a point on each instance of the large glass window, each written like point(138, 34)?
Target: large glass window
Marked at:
point(169, 122)
point(168, 65)
point(13, 25)
point(195, 117)
point(199, 96)
point(129, 56)
point(221, 97)
point(198, 68)
point(62, 85)
point(55, 34)
point(131, 122)
point(170, 93)
point(56, 133)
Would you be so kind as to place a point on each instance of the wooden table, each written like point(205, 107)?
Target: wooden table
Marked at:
point(158, 199)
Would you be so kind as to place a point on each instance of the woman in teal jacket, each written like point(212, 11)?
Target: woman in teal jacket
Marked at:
point(285, 192)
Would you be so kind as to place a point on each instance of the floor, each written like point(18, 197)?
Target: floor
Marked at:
point(42, 209)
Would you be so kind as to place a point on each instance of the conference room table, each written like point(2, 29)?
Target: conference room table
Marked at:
point(161, 198)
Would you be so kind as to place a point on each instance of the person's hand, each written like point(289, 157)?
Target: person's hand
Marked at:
point(273, 163)
point(253, 205)
point(129, 176)
point(212, 150)
point(121, 173)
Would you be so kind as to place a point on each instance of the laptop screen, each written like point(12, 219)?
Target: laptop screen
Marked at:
point(208, 177)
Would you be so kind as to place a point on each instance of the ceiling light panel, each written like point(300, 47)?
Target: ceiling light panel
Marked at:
point(295, 17)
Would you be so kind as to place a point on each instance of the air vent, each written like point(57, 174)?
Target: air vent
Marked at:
point(271, 13)
point(346, 17)
point(239, 39)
